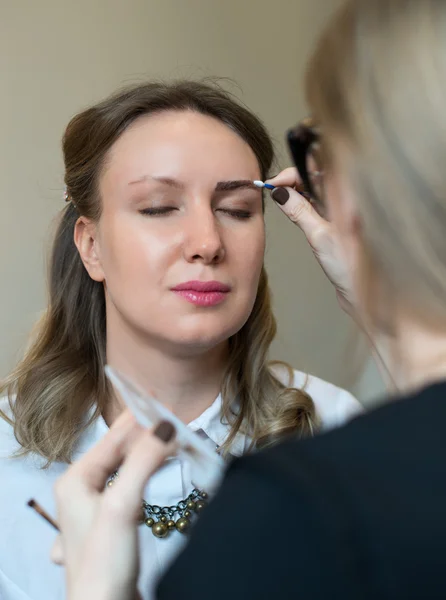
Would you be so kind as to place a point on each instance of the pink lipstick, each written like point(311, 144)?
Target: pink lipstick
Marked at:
point(202, 293)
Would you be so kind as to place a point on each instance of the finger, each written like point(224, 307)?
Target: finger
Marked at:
point(286, 178)
point(145, 456)
point(299, 211)
point(92, 471)
point(57, 555)
point(96, 466)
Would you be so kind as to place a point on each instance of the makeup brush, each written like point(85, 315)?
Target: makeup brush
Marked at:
point(39, 510)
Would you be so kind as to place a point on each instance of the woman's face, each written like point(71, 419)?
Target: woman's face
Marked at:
point(180, 242)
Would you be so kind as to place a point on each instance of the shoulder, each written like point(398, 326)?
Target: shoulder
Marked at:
point(25, 570)
point(320, 474)
point(386, 439)
point(334, 405)
point(356, 466)
point(12, 463)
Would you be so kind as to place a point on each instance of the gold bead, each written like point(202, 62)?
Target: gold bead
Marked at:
point(191, 505)
point(200, 506)
point(187, 514)
point(204, 495)
point(163, 519)
point(171, 524)
point(149, 522)
point(182, 525)
point(110, 483)
point(160, 530)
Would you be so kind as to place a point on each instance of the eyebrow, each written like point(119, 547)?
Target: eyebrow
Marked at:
point(165, 180)
point(238, 184)
point(222, 186)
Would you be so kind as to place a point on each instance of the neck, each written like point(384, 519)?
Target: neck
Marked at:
point(415, 355)
point(187, 384)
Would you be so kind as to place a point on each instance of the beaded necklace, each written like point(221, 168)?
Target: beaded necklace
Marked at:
point(162, 520)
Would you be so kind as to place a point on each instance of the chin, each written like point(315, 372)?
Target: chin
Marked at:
point(200, 342)
point(200, 337)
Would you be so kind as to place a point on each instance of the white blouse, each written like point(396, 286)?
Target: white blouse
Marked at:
point(26, 572)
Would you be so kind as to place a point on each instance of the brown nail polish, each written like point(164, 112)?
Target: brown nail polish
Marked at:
point(165, 431)
point(280, 195)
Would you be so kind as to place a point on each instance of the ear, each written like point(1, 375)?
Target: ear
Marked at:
point(86, 240)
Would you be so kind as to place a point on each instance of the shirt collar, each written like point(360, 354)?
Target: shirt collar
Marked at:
point(210, 422)
point(216, 428)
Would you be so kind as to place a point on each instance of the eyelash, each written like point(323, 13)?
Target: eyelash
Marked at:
point(164, 210)
point(237, 214)
point(154, 212)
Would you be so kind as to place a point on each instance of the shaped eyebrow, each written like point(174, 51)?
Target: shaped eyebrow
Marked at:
point(238, 184)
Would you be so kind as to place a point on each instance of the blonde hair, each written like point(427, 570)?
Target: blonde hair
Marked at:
point(59, 388)
point(376, 84)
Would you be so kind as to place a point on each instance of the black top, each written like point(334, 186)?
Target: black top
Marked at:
point(359, 512)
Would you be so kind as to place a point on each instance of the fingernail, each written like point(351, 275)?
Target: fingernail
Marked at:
point(165, 431)
point(280, 195)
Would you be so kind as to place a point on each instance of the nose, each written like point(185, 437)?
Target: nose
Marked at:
point(203, 241)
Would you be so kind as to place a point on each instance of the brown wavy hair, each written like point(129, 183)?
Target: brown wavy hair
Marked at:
point(59, 387)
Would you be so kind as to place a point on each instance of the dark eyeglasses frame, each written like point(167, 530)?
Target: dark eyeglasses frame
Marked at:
point(300, 139)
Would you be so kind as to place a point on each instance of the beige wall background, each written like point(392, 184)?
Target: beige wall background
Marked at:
point(58, 56)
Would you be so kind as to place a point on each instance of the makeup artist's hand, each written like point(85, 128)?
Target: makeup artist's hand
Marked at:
point(98, 543)
point(320, 233)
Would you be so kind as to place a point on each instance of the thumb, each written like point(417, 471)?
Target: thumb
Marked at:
point(298, 209)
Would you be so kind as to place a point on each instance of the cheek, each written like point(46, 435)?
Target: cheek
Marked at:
point(132, 255)
point(249, 255)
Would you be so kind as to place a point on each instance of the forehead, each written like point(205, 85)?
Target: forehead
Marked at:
point(184, 145)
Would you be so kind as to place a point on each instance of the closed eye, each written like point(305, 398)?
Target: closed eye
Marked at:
point(237, 214)
point(157, 211)
point(165, 210)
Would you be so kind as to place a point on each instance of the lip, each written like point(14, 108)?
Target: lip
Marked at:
point(202, 286)
point(202, 293)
